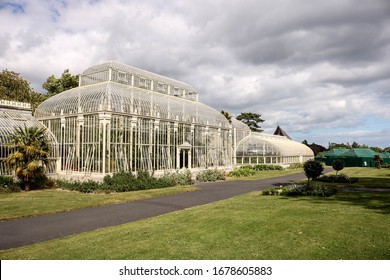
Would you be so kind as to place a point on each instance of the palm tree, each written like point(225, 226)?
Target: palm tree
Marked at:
point(30, 156)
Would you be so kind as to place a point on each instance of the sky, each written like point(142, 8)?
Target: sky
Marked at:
point(319, 69)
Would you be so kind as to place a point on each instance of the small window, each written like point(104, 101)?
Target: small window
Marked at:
point(122, 78)
point(161, 87)
point(142, 82)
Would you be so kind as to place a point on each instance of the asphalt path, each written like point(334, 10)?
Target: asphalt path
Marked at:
point(25, 231)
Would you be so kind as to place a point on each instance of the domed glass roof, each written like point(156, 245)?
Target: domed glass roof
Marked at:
point(262, 144)
point(126, 99)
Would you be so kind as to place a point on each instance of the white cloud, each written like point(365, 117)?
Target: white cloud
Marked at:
point(314, 67)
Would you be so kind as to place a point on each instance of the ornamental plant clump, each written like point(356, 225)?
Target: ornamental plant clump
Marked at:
point(30, 157)
point(210, 175)
point(313, 169)
point(338, 165)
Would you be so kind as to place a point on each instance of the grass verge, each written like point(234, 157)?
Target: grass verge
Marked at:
point(34, 203)
point(368, 177)
point(345, 226)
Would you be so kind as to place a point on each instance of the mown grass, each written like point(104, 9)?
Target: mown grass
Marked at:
point(34, 203)
point(368, 177)
point(250, 226)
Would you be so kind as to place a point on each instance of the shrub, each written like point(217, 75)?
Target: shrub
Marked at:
point(7, 185)
point(242, 172)
point(273, 191)
point(300, 190)
point(313, 169)
point(182, 178)
point(296, 166)
point(84, 187)
point(127, 181)
point(338, 165)
point(341, 178)
point(303, 190)
point(262, 167)
point(210, 175)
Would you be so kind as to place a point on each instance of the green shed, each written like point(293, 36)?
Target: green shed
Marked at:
point(385, 156)
point(329, 156)
point(361, 157)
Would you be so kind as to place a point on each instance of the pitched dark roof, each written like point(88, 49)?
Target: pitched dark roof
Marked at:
point(281, 132)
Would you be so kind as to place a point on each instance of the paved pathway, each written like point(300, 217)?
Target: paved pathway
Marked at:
point(26, 231)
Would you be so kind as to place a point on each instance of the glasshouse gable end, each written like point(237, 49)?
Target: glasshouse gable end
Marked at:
point(122, 118)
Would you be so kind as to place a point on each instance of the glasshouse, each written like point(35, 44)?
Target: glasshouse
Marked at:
point(18, 114)
point(122, 118)
point(261, 148)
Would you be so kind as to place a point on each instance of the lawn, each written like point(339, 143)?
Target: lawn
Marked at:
point(34, 203)
point(250, 226)
point(368, 177)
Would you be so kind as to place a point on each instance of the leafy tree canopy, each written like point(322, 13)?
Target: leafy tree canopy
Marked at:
point(13, 87)
point(55, 85)
point(314, 147)
point(355, 145)
point(227, 116)
point(338, 165)
point(313, 169)
point(251, 120)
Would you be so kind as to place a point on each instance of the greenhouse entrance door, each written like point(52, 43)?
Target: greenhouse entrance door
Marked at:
point(183, 159)
point(184, 155)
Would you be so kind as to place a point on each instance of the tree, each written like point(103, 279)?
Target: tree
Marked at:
point(314, 147)
point(378, 161)
point(55, 85)
point(227, 116)
point(251, 120)
point(377, 149)
point(338, 165)
point(30, 156)
point(313, 169)
point(15, 88)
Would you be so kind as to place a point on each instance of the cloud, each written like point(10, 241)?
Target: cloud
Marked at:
point(314, 67)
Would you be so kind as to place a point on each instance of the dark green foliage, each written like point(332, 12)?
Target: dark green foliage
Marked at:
point(55, 85)
point(242, 172)
point(313, 169)
point(210, 175)
point(251, 120)
point(227, 116)
point(378, 161)
point(342, 178)
point(301, 190)
point(7, 185)
point(263, 167)
point(249, 170)
point(15, 88)
point(296, 166)
point(315, 147)
point(386, 165)
point(127, 181)
point(338, 165)
point(84, 187)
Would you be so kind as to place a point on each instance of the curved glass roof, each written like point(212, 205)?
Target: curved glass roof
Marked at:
point(130, 75)
point(126, 99)
point(13, 118)
point(260, 144)
point(239, 124)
